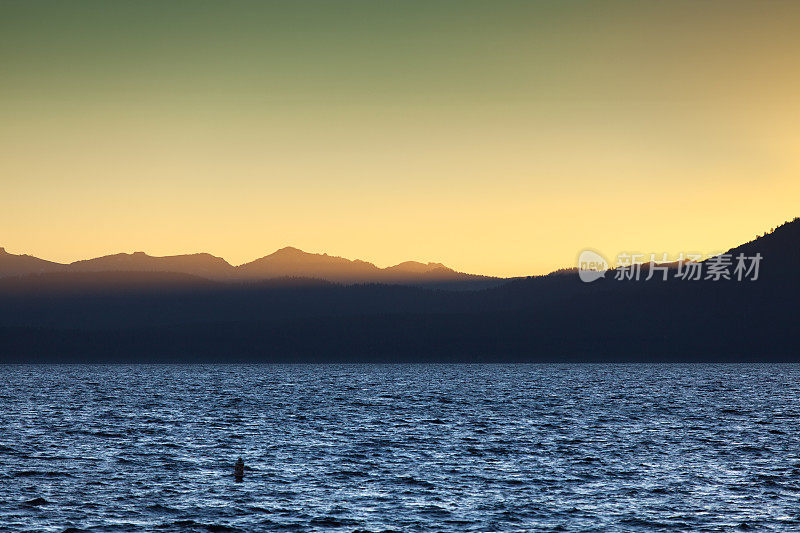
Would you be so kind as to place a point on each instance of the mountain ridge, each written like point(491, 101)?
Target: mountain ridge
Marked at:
point(156, 317)
point(295, 264)
point(286, 262)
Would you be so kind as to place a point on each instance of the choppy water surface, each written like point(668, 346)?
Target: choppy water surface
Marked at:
point(405, 448)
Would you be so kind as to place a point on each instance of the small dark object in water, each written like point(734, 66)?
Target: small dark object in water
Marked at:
point(36, 501)
point(238, 470)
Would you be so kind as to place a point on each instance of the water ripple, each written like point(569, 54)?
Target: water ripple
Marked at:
point(400, 448)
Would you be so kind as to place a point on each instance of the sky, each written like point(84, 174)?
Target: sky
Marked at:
point(496, 137)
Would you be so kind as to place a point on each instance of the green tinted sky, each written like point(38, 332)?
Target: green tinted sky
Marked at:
point(500, 137)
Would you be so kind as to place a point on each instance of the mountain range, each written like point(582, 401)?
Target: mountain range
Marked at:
point(101, 314)
point(287, 262)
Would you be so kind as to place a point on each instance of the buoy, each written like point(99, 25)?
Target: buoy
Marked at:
point(238, 470)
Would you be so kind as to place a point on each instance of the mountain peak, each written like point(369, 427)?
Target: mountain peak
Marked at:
point(293, 262)
point(2, 250)
point(288, 251)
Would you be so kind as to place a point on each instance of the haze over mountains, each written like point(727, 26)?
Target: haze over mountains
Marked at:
point(124, 316)
point(287, 262)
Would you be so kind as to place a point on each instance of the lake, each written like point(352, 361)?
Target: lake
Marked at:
point(400, 447)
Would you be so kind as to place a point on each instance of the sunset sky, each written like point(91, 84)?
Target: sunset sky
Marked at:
point(496, 137)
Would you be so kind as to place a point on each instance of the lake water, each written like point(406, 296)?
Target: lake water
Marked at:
point(400, 448)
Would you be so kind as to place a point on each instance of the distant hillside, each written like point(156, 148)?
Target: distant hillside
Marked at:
point(203, 265)
point(286, 263)
point(21, 265)
point(779, 248)
point(293, 262)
